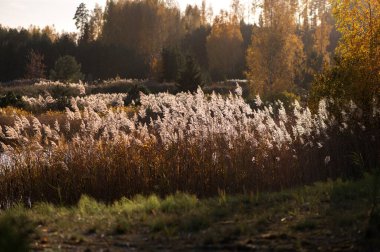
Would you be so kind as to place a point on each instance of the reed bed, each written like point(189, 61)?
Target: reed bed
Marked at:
point(189, 142)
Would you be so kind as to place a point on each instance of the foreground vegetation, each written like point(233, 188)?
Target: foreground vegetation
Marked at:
point(339, 216)
point(60, 141)
point(220, 154)
point(188, 142)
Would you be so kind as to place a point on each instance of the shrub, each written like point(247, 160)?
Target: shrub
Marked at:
point(134, 94)
point(11, 99)
point(190, 77)
point(172, 63)
point(35, 69)
point(66, 69)
point(15, 232)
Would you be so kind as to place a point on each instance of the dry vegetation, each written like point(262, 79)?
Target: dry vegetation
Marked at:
point(195, 143)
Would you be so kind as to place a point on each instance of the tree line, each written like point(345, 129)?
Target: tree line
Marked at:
point(286, 45)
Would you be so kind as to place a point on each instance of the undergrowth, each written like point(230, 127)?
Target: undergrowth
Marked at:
point(300, 217)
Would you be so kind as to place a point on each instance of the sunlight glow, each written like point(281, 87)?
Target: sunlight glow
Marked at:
point(23, 13)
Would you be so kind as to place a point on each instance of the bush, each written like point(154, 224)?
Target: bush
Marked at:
point(134, 94)
point(10, 99)
point(286, 97)
point(67, 69)
point(344, 82)
point(15, 233)
point(191, 76)
point(172, 62)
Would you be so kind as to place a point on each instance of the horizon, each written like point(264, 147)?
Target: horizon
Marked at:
point(59, 13)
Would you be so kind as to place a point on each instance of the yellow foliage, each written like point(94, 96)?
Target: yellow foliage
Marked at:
point(359, 24)
point(10, 111)
point(224, 45)
point(276, 52)
point(273, 60)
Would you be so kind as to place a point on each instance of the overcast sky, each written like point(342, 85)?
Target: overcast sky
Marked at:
point(60, 13)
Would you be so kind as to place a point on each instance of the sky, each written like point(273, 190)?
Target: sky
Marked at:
point(60, 13)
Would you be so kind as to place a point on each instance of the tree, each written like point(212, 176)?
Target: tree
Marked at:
point(203, 13)
point(237, 10)
point(67, 69)
point(172, 63)
point(145, 26)
point(192, 19)
point(195, 44)
point(35, 68)
point(356, 75)
point(317, 26)
point(225, 47)
point(96, 23)
point(359, 24)
point(323, 30)
point(275, 55)
point(50, 33)
point(190, 76)
point(81, 18)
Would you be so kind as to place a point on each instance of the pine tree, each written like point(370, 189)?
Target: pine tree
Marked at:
point(191, 76)
point(67, 69)
point(81, 18)
point(172, 63)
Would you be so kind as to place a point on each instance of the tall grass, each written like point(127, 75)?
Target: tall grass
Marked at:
point(195, 143)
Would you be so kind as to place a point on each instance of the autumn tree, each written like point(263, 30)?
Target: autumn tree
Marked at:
point(237, 10)
point(275, 55)
point(316, 29)
point(323, 30)
point(96, 23)
point(145, 26)
point(356, 74)
point(50, 33)
point(225, 47)
point(192, 19)
point(359, 24)
point(35, 67)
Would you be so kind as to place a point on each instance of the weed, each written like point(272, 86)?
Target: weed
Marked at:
point(178, 203)
point(89, 206)
point(122, 226)
point(15, 232)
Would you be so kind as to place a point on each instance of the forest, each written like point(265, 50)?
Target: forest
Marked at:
point(151, 39)
point(151, 127)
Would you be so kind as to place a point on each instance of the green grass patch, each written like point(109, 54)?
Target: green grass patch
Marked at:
point(338, 207)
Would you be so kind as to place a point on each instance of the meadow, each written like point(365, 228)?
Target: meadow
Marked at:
point(332, 215)
point(196, 143)
point(73, 150)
